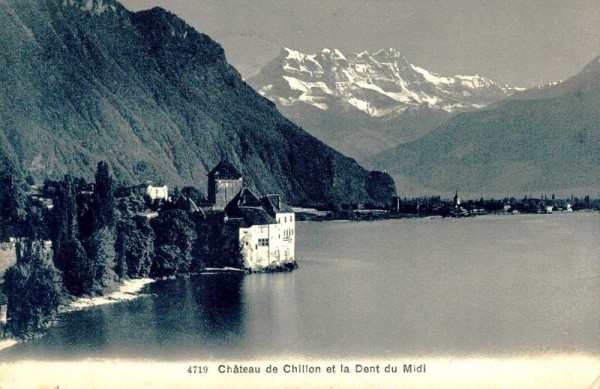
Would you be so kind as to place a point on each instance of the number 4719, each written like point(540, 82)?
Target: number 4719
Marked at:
point(197, 370)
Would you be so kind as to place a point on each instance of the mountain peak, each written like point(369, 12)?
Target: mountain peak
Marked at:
point(381, 84)
point(287, 53)
point(332, 54)
point(181, 44)
point(389, 55)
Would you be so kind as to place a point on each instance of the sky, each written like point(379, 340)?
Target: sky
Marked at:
point(515, 42)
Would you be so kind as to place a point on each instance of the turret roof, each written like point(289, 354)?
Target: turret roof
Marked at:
point(274, 204)
point(225, 170)
point(246, 205)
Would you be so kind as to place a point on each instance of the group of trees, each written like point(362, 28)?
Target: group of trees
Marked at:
point(83, 235)
point(80, 260)
point(97, 240)
point(188, 242)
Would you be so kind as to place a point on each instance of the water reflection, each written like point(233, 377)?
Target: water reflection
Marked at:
point(220, 310)
point(200, 313)
point(89, 332)
point(76, 335)
point(183, 318)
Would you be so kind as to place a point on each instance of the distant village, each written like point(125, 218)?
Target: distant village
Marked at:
point(455, 207)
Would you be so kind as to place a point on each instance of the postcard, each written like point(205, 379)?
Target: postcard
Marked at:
point(299, 193)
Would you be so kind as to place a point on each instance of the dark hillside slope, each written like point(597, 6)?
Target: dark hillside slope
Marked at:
point(155, 98)
point(544, 139)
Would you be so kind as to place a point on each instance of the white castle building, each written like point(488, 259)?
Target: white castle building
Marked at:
point(267, 226)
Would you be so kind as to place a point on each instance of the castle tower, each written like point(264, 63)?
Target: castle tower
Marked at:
point(224, 182)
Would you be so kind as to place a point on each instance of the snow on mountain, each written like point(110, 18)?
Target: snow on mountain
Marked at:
point(379, 84)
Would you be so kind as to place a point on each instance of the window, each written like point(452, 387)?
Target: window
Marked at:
point(285, 219)
point(291, 218)
point(263, 242)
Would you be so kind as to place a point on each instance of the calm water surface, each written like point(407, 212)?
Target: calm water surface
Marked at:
point(488, 285)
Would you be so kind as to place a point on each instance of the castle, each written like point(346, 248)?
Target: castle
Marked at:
point(266, 225)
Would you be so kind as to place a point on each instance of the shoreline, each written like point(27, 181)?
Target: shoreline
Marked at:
point(127, 291)
point(380, 216)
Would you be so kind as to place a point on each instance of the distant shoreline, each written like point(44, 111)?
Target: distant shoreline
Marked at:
point(378, 215)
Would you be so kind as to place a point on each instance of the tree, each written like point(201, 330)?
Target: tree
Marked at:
point(12, 204)
point(104, 201)
point(193, 193)
point(130, 206)
point(34, 225)
point(78, 272)
point(34, 289)
point(102, 261)
point(63, 223)
point(69, 254)
point(101, 244)
point(166, 261)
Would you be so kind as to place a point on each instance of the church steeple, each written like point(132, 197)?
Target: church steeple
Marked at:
point(456, 199)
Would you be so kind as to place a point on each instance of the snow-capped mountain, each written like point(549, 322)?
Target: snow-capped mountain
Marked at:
point(378, 84)
point(383, 86)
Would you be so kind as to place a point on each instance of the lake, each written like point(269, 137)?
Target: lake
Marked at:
point(492, 285)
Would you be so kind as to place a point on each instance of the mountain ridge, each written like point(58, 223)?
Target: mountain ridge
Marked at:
point(328, 92)
point(540, 140)
point(153, 97)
